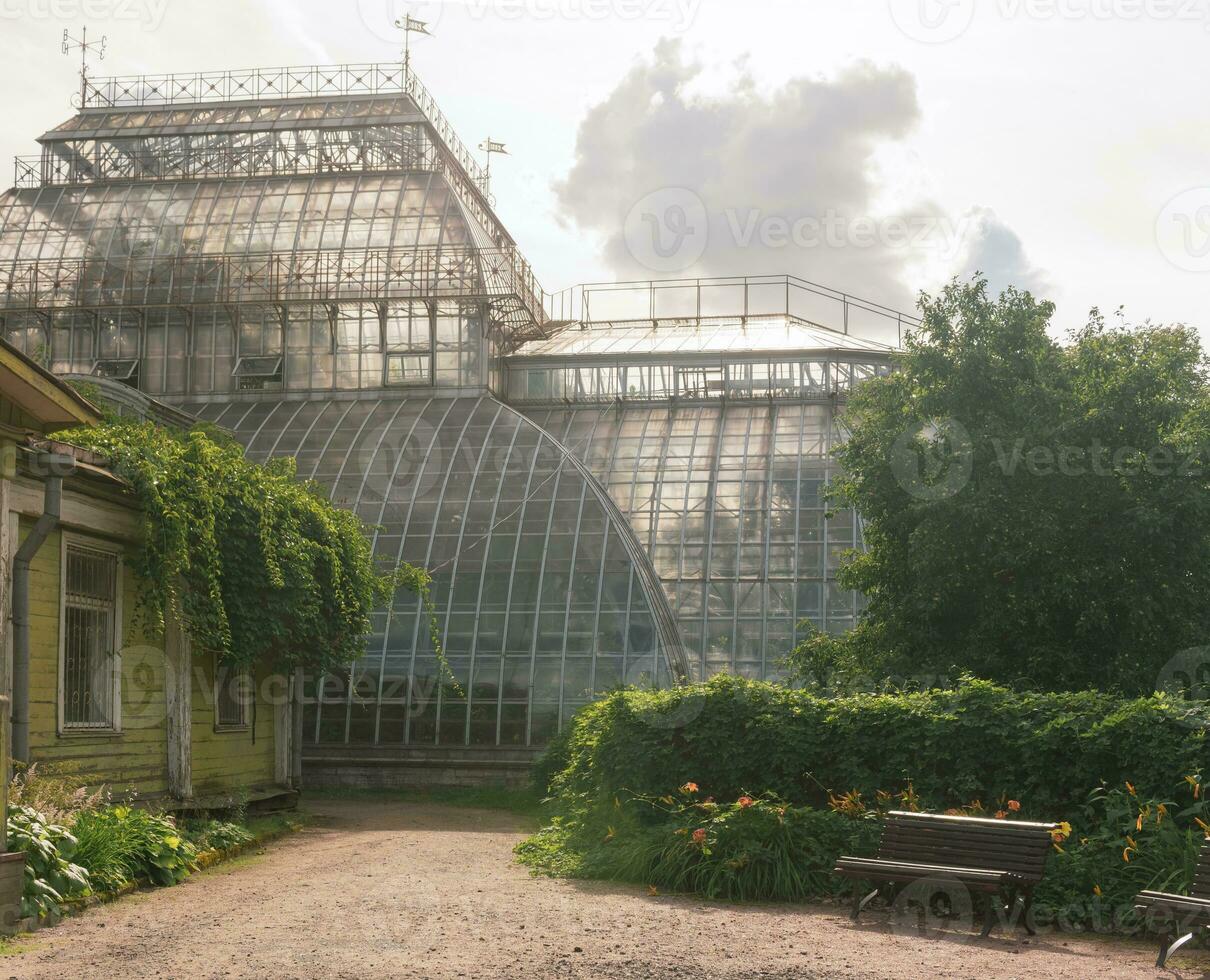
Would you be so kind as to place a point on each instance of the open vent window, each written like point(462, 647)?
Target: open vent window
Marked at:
point(259, 373)
point(125, 370)
point(409, 370)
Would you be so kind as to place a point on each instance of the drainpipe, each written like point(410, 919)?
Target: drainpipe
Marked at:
point(56, 467)
point(296, 738)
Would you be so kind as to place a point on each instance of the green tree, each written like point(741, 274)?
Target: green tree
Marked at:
point(1035, 512)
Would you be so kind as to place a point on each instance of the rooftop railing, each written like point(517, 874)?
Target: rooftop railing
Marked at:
point(739, 297)
point(262, 84)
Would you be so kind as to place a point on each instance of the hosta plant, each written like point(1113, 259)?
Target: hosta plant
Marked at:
point(50, 875)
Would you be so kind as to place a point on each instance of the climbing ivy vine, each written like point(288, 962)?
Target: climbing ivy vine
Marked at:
point(257, 566)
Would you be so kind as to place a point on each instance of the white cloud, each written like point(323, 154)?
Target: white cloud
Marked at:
point(994, 250)
point(756, 183)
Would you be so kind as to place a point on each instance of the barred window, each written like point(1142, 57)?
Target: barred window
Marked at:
point(89, 675)
point(232, 697)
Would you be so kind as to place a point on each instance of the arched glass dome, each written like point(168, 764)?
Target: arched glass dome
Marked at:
point(544, 597)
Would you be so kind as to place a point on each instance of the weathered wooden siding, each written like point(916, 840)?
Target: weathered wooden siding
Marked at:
point(134, 760)
point(229, 762)
point(225, 763)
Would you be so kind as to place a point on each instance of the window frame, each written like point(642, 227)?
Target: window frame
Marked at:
point(245, 725)
point(68, 542)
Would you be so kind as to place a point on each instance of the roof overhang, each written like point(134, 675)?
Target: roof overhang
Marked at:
point(41, 396)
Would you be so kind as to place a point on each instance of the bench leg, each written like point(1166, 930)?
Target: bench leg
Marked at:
point(1167, 948)
point(859, 903)
point(1019, 904)
point(993, 908)
point(1027, 905)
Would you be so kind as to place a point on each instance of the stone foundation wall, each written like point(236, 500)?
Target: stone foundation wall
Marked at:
point(415, 767)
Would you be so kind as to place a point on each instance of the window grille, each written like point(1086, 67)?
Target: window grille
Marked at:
point(89, 680)
point(233, 697)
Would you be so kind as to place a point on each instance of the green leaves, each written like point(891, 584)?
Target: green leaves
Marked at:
point(775, 783)
point(50, 877)
point(978, 741)
point(1035, 513)
point(259, 567)
point(122, 844)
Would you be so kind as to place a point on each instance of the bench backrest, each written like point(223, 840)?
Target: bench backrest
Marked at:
point(968, 842)
point(1201, 875)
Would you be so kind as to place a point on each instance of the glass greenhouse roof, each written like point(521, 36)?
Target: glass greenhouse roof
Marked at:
point(238, 216)
point(544, 595)
point(731, 335)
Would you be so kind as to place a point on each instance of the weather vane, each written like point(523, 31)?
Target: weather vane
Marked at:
point(490, 146)
point(85, 47)
point(410, 25)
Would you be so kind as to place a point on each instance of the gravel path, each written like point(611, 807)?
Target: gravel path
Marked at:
point(414, 890)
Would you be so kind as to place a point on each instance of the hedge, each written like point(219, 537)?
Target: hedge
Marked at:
point(978, 742)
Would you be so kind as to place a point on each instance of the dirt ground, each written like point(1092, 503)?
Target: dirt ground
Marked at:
point(386, 890)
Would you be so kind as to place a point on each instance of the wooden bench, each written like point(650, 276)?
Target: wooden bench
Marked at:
point(1181, 915)
point(1001, 859)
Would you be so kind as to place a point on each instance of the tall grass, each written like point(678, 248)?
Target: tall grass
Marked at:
point(121, 844)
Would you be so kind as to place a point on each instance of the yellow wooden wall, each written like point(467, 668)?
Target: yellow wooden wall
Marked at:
point(225, 763)
point(136, 760)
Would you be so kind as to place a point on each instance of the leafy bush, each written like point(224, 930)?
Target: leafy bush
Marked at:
point(50, 875)
point(978, 742)
point(811, 778)
point(750, 850)
point(122, 844)
point(1123, 844)
point(215, 835)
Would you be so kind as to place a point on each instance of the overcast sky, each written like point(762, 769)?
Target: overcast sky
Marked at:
point(877, 146)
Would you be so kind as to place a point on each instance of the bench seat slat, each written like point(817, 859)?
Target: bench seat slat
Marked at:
point(1030, 855)
point(877, 867)
point(931, 840)
point(1011, 838)
point(1172, 897)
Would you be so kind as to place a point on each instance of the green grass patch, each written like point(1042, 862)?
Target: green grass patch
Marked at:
point(523, 802)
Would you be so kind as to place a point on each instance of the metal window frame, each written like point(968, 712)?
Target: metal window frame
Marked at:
point(71, 541)
point(245, 723)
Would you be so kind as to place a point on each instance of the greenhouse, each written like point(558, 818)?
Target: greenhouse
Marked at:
point(615, 484)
